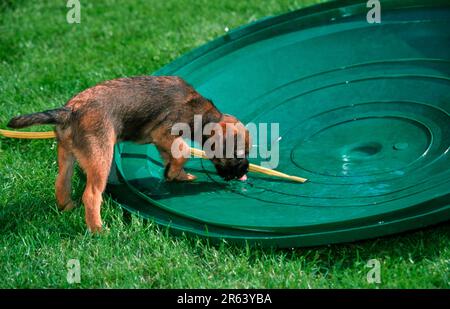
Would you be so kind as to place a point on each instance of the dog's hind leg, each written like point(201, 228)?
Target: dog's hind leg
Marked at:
point(63, 185)
point(95, 160)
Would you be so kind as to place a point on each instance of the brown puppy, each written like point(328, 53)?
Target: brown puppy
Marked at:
point(140, 109)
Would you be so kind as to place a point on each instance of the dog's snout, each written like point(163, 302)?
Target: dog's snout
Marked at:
point(233, 168)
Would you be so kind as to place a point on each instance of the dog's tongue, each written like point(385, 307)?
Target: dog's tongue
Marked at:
point(243, 178)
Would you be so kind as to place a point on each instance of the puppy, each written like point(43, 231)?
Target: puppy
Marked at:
point(139, 109)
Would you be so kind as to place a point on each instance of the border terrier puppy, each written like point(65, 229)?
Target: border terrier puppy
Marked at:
point(139, 109)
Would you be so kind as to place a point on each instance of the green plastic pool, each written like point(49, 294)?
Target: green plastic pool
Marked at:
point(363, 111)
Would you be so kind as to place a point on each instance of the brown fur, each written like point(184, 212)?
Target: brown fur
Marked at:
point(139, 109)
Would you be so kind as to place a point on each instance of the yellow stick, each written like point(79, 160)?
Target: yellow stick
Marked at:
point(28, 135)
point(195, 152)
point(255, 168)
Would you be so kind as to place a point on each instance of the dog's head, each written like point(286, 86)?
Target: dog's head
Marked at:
point(231, 160)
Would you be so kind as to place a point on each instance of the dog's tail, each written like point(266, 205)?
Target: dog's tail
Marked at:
point(53, 116)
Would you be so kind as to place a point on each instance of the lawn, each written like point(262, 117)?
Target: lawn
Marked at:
point(44, 61)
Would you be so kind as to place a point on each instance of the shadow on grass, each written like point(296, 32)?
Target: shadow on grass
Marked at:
point(16, 215)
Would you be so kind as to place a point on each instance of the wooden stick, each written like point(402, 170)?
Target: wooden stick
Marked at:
point(255, 168)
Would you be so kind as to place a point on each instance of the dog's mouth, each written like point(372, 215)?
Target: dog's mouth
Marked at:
point(230, 169)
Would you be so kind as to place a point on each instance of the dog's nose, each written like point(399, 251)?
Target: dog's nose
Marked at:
point(232, 168)
point(242, 168)
point(243, 178)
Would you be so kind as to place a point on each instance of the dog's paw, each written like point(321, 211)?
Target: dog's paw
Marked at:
point(183, 177)
point(189, 177)
point(69, 206)
point(96, 229)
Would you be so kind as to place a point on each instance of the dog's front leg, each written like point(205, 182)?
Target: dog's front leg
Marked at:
point(174, 162)
point(175, 171)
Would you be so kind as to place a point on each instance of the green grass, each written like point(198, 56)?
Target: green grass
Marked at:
point(44, 61)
